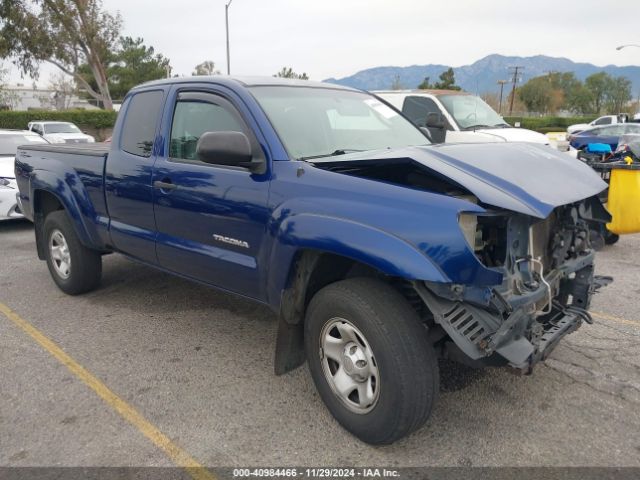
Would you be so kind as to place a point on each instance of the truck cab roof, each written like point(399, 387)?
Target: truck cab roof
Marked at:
point(245, 81)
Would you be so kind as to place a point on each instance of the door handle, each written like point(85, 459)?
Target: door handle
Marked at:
point(164, 185)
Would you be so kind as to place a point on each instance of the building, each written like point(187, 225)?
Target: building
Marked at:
point(23, 97)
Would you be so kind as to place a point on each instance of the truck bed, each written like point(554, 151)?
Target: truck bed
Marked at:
point(94, 149)
point(80, 165)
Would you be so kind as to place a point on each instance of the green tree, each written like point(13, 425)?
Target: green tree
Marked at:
point(447, 81)
point(208, 67)
point(580, 100)
point(538, 95)
point(130, 64)
point(287, 72)
point(65, 33)
point(598, 84)
point(135, 63)
point(618, 94)
point(425, 84)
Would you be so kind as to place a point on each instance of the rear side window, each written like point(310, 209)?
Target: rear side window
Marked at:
point(418, 108)
point(139, 129)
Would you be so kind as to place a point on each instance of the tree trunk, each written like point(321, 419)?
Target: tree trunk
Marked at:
point(100, 75)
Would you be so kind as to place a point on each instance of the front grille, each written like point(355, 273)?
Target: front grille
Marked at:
point(76, 140)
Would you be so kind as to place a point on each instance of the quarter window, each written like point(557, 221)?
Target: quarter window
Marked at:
point(139, 128)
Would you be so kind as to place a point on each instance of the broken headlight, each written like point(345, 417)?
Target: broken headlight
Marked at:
point(469, 225)
point(486, 235)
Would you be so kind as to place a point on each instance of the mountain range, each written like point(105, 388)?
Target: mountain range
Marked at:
point(483, 75)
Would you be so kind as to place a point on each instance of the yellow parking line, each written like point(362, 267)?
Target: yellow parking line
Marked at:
point(174, 452)
point(611, 318)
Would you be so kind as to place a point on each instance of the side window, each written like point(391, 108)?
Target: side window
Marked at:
point(36, 128)
point(615, 130)
point(195, 114)
point(632, 128)
point(417, 109)
point(141, 118)
point(603, 121)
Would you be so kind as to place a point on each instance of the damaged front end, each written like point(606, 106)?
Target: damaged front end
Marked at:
point(547, 268)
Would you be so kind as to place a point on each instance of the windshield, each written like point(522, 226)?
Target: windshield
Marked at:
point(470, 111)
point(314, 122)
point(61, 128)
point(9, 143)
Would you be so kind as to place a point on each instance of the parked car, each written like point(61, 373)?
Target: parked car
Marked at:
point(60, 132)
point(9, 142)
point(457, 117)
point(379, 252)
point(608, 134)
point(600, 121)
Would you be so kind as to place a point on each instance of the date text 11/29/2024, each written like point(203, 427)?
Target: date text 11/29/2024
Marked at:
point(316, 472)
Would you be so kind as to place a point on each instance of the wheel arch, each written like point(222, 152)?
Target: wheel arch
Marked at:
point(311, 271)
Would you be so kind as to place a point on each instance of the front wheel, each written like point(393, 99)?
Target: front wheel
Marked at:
point(370, 359)
point(74, 268)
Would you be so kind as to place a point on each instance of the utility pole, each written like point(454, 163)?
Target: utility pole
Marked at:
point(513, 89)
point(501, 83)
point(226, 21)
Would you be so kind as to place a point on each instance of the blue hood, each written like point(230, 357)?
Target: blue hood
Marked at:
point(522, 177)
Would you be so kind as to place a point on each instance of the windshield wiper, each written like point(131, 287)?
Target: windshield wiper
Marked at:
point(475, 127)
point(340, 151)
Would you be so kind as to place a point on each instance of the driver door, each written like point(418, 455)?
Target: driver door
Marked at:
point(210, 219)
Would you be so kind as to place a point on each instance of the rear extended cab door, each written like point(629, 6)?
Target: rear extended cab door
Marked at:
point(211, 219)
point(128, 171)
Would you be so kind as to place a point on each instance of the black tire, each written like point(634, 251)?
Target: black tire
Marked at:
point(85, 264)
point(406, 361)
point(611, 238)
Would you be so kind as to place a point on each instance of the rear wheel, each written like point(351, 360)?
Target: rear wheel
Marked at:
point(74, 268)
point(370, 359)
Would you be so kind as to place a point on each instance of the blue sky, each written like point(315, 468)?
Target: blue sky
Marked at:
point(339, 37)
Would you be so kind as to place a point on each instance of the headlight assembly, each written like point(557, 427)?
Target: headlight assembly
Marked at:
point(469, 225)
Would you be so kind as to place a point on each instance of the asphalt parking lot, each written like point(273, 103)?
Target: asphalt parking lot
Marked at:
point(197, 364)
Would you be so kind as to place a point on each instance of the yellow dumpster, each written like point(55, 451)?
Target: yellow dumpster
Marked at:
point(624, 199)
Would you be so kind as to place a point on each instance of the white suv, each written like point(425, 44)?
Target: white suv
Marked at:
point(456, 116)
point(60, 132)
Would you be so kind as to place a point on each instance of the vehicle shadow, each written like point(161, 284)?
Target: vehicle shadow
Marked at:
point(127, 282)
point(15, 225)
point(455, 376)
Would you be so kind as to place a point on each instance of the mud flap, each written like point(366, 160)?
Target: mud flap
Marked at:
point(290, 352)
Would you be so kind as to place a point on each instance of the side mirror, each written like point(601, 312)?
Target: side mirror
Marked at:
point(227, 148)
point(435, 120)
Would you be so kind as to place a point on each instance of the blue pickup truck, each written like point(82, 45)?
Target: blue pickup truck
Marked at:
point(379, 252)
